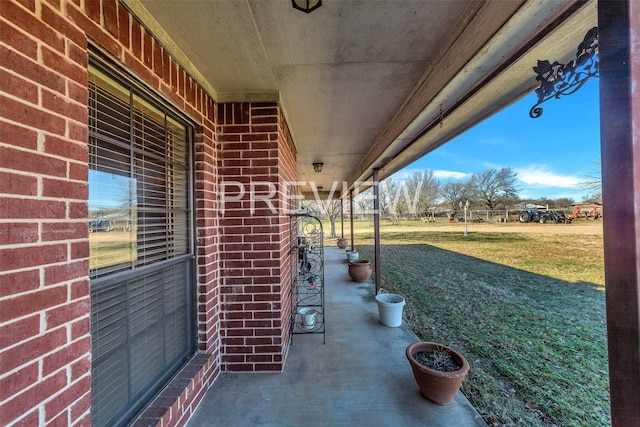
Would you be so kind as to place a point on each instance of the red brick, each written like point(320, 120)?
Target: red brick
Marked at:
point(63, 231)
point(79, 55)
point(80, 249)
point(80, 328)
point(110, 13)
point(66, 272)
point(182, 82)
point(24, 257)
point(174, 76)
point(141, 69)
point(65, 356)
point(78, 171)
point(123, 26)
point(78, 210)
point(31, 303)
point(18, 381)
point(258, 110)
point(272, 367)
point(31, 162)
point(29, 4)
point(78, 132)
point(31, 116)
point(68, 313)
point(19, 41)
point(264, 120)
point(81, 407)
point(65, 148)
point(147, 49)
point(54, 3)
point(24, 402)
point(64, 189)
point(63, 106)
point(63, 26)
point(158, 66)
point(94, 31)
point(30, 420)
point(78, 93)
point(19, 208)
point(15, 283)
point(12, 183)
point(81, 368)
point(34, 26)
point(92, 9)
point(18, 136)
point(68, 397)
point(31, 70)
point(33, 349)
point(21, 330)
point(136, 39)
point(16, 233)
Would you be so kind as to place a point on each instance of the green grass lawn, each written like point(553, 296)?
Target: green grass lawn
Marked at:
point(526, 309)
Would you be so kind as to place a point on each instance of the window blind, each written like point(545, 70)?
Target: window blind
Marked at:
point(141, 256)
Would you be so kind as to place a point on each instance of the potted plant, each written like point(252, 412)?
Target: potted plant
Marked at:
point(438, 370)
point(359, 270)
point(342, 243)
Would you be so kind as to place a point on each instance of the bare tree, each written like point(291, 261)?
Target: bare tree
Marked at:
point(494, 187)
point(386, 193)
point(363, 203)
point(593, 183)
point(455, 192)
point(423, 191)
point(563, 202)
point(326, 209)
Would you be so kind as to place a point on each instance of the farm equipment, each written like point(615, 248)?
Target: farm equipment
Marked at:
point(542, 216)
point(587, 211)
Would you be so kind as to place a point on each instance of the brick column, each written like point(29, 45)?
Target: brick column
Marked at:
point(256, 158)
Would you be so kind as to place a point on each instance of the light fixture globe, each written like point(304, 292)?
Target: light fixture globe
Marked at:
point(307, 6)
point(317, 166)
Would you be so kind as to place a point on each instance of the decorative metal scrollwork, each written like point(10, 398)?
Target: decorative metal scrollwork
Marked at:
point(307, 284)
point(558, 79)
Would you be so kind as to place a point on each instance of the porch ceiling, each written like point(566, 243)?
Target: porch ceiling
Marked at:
point(362, 82)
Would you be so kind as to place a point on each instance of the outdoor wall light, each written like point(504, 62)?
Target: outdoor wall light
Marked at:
point(318, 167)
point(307, 6)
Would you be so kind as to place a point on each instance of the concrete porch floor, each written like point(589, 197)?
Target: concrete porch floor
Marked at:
point(359, 377)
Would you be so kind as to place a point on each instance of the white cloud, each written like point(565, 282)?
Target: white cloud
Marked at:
point(442, 174)
point(540, 176)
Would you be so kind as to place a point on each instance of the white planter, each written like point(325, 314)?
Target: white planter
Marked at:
point(390, 308)
point(352, 255)
point(308, 316)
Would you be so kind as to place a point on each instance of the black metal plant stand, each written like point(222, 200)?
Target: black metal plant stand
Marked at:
point(307, 275)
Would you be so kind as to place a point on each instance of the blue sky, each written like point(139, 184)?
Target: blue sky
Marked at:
point(551, 154)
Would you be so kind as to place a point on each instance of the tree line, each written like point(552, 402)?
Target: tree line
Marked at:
point(422, 193)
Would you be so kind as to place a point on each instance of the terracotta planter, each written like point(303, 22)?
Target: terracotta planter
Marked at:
point(342, 243)
point(359, 270)
point(437, 386)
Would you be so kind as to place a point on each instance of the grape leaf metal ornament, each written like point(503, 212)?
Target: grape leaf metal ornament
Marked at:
point(558, 79)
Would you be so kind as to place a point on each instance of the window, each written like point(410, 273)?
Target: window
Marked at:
point(141, 251)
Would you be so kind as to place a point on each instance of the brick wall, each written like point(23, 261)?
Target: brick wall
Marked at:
point(254, 243)
point(242, 260)
point(286, 175)
point(44, 288)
